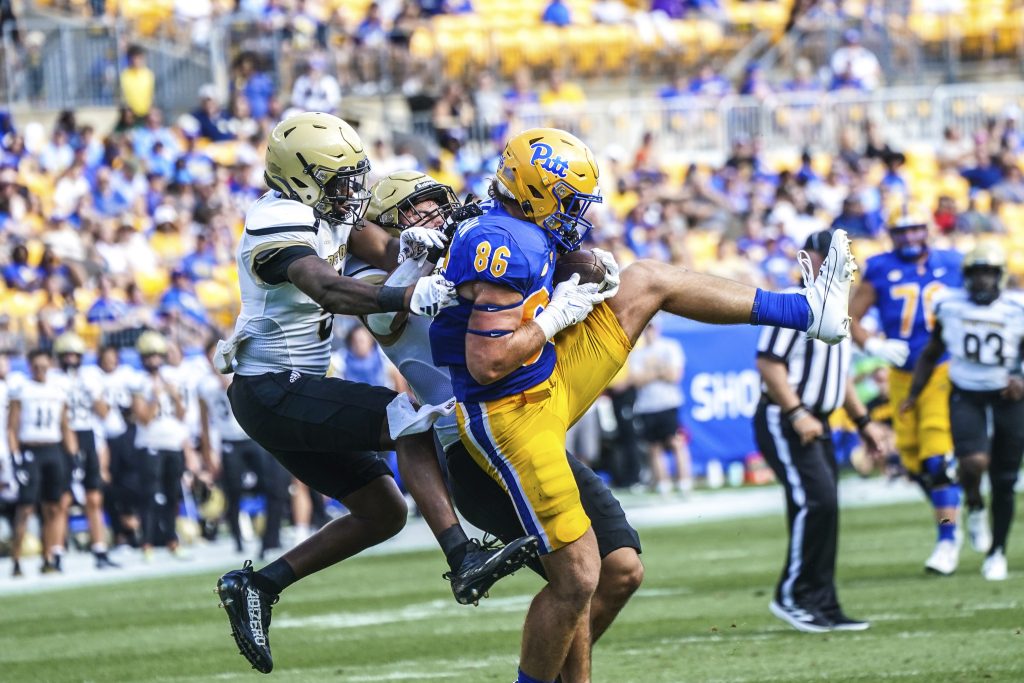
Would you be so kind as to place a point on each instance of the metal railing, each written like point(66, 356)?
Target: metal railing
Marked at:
point(50, 66)
point(703, 128)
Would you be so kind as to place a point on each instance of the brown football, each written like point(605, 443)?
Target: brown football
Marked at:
point(584, 262)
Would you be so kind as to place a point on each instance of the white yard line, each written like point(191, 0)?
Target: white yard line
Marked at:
point(643, 512)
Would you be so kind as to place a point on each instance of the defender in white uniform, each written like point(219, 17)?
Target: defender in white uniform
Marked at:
point(222, 436)
point(982, 327)
point(8, 482)
point(87, 409)
point(160, 435)
point(408, 199)
point(123, 497)
point(40, 438)
point(326, 431)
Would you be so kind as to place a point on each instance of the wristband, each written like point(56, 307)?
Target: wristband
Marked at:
point(391, 299)
point(797, 413)
point(862, 422)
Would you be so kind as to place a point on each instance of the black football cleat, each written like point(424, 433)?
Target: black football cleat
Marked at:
point(248, 609)
point(485, 564)
point(103, 561)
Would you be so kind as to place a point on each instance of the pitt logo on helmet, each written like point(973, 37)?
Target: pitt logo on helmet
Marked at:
point(555, 165)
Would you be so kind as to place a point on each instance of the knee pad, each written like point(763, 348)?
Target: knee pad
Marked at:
point(937, 472)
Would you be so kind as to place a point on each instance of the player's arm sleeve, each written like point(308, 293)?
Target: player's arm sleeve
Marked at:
point(775, 343)
point(270, 262)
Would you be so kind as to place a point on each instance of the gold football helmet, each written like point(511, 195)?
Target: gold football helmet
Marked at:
point(394, 197)
point(985, 273)
point(552, 176)
point(69, 342)
point(151, 343)
point(319, 160)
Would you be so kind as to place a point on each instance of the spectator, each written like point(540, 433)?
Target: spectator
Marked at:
point(257, 85)
point(370, 32)
point(316, 90)
point(152, 132)
point(55, 316)
point(855, 220)
point(560, 91)
point(754, 82)
point(953, 151)
point(557, 14)
point(854, 63)
point(945, 215)
point(678, 87)
point(522, 90)
point(1011, 187)
point(200, 263)
point(137, 83)
point(976, 222)
point(18, 274)
point(656, 369)
point(107, 310)
point(803, 78)
point(709, 84)
point(213, 123)
point(179, 302)
point(984, 175)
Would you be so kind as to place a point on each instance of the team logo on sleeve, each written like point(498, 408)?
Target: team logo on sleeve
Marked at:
point(555, 165)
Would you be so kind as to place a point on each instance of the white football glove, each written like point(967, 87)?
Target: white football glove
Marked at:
point(893, 351)
point(570, 303)
point(610, 286)
point(431, 294)
point(414, 243)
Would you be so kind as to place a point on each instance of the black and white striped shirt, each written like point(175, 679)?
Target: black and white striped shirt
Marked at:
point(817, 371)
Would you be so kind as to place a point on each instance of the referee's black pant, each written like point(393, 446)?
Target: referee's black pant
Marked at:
point(808, 473)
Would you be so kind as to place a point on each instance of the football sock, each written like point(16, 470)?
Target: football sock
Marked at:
point(789, 310)
point(523, 678)
point(946, 497)
point(454, 543)
point(1002, 514)
point(275, 577)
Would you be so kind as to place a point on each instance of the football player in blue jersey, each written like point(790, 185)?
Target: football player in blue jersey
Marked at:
point(903, 284)
point(527, 357)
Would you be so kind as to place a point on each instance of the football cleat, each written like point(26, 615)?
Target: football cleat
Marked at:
point(16, 570)
point(103, 561)
point(842, 622)
point(248, 609)
point(994, 567)
point(944, 559)
point(801, 619)
point(485, 564)
point(829, 293)
point(977, 531)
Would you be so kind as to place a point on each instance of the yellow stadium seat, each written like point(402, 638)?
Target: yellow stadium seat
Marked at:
point(152, 283)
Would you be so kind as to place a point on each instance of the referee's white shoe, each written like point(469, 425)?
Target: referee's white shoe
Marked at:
point(829, 292)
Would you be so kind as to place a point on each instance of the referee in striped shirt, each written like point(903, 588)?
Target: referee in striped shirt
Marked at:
point(803, 381)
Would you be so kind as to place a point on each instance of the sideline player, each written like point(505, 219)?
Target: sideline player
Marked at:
point(326, 431)
point(40, 439)
point(238, 454)
point(982, 327)
point(407, 199)
point(86, 409)
point(517, 395)
point(903, 284)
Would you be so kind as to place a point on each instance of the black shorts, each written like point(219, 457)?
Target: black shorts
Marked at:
point(979, 418)
point(660, 426)
point(88, 461)
point(324, 430)
point(486, 505)
point(43, 473)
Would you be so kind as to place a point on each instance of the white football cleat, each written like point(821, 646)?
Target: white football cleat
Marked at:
point(944, 559)
point(829, 294)
point(994, 567)
point(977, 531)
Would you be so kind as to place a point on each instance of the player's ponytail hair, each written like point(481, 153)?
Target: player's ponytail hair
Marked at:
point(501, 193)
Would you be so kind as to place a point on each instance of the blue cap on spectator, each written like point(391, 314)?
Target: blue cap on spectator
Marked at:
point(851, 35)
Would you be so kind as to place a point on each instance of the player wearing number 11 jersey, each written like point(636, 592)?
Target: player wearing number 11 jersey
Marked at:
point(982, 327)
point(903, 285)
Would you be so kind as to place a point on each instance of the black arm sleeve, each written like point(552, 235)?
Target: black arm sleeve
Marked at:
point(272, 267)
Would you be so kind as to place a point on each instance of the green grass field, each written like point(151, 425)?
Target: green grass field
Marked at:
point(701, 616)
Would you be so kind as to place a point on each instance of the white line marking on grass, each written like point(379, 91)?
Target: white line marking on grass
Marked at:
point(416, 612)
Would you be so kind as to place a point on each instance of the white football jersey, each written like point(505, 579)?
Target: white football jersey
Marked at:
point(117, 394)
point(410, 353)
point(214, 394)
point(279, 327)
point(165, 431)
point(187, 377)
point(84, 387)
point(983, 341)
point(42, 406)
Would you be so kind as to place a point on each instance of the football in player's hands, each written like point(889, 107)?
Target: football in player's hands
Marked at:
point(583, 262)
